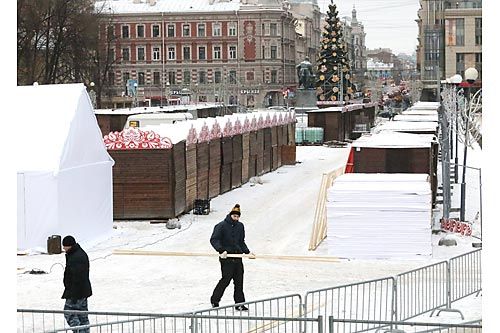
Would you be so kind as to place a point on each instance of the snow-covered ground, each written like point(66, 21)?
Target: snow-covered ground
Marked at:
point(278, 215)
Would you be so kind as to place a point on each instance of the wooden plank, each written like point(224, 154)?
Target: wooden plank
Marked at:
point(246, 256)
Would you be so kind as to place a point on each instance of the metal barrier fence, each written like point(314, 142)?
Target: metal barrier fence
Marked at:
point(289, 306)
point(349, 325)
point(169, 323)
point(421, 290)
point(465, 275)
point(370, 300)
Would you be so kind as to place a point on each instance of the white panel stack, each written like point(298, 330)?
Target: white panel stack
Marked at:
point(379, 216)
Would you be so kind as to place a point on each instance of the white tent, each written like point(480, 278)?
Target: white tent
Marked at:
point(64, 172)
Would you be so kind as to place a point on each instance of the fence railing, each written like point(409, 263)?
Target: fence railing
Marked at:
point(370, 300)
point(351, 325)
point(465, 275)
point(106, 322)
point(421, 290)
point(410, 294)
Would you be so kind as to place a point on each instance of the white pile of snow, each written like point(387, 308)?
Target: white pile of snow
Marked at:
point(379, 216)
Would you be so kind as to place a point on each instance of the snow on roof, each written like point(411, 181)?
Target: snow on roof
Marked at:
point(420, 112)
point(348, 107)
point(413, 126)
point(391, 139)
point(59, 128)
point(416, 117)
point(426, 105)
point(166, 6)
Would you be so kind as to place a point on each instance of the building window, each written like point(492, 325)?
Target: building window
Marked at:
point(186, 52)
point(202, 77)
point(479, 31)
point(218, 76)
point(216, 29)
point(126, 77)
point(273, 29)
point(156, 53)
point(111, 78)
point(232, 52)
point(217, 52)
point(460, 60)
point(186, 30)
point(232, 29)
point(171, 77)
point(479, 64)
point(125, 54)
point(274, 76)
point(202, 53)
point(141, 78)
point(186, 78)
point(125, 31)
point(141, 54)
point(171, 53)
point(460, 31)
point(201, 30)
point(156, 78)
point(171, 30)
point(232, 77)
point(140, 31)
point(156, 30)
point(263, 52)
point(274, 52)
point(250, 76)
point(111, 31)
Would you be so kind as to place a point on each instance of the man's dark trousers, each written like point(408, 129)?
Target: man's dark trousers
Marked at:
point(232, 268)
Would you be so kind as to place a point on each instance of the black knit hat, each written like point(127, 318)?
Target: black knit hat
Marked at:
point(236, 210)
point(68, 241)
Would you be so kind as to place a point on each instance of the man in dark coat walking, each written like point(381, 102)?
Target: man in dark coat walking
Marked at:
point(228, 237)
point(77, 286)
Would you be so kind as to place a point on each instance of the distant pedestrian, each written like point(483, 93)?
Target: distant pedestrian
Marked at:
point(228, 237)
point(77, 286)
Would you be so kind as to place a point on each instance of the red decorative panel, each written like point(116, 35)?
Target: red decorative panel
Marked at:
point(204, 135)
point(216, 131)
point(253, 124)
point(134, 138)
point(192, 136)
point(249, 41)
point(246, 125)
point(228, 129)
point(260, 122)
point(237, 128)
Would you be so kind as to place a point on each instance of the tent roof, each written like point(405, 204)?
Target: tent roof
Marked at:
point(390, 139)
point(59, 128)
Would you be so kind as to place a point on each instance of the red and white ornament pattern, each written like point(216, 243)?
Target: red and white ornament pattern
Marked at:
point(134, 138)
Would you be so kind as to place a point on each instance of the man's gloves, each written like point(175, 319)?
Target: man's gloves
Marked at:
point(223, 255)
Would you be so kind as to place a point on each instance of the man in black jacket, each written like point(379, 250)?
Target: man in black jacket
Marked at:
point(76, 283)
point(229, 237)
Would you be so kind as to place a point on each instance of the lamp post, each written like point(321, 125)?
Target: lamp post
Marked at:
point(455, 80)
point(92, 94)
point(471, 75)
point(135, 94)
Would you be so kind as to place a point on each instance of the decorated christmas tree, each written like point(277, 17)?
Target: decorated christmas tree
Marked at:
point(333, 79)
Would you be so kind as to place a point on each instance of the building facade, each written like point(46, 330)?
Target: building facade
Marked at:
point(308, 28)
point(441, 25)
point(208, 50)
point(358, 50)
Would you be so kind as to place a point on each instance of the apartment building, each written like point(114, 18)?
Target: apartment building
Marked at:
point(236, 52)
point(441, 25)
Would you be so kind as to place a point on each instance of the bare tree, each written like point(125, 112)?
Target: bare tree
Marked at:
point(64, 41)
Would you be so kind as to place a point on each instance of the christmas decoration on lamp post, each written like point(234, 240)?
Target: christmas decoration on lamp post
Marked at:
point(333, 79)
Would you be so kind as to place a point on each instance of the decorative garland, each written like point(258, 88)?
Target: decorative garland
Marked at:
point(134, 138)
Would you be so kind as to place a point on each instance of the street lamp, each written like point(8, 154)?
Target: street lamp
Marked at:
point(471, 75)
point(455, 80)
point(135, 94)
point(92, 94)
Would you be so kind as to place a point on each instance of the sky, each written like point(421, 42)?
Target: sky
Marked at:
point(388, 24)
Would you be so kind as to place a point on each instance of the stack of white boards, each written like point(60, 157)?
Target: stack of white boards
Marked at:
point(379, 216)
